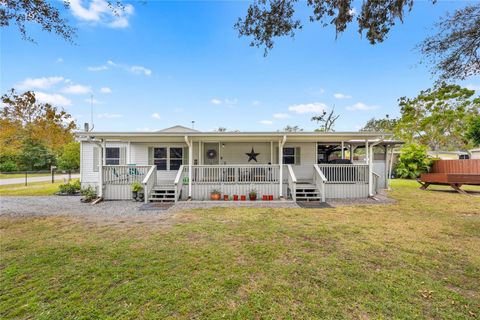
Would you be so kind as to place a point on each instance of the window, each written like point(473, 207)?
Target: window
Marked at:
point(288, 155)
point(112, 156)
point(176, 158)
point(160, 158)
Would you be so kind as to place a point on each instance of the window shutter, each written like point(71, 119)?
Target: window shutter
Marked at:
point(150, 156)
point(96, 158)
point(297, 156)
point(123, 156)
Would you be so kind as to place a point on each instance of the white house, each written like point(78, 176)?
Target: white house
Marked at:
point(180, 163)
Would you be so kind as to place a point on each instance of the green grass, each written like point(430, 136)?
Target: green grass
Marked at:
point(32, 189)
point(417, 258)
point(22, 175)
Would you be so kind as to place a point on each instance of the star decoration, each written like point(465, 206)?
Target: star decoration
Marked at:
point(252, 155)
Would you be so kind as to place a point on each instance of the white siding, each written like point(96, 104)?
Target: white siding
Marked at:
point(87, 175)
point(308, 157)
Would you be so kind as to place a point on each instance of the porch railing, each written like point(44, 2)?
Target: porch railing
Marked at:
point(113, 174)
point(376, 178)
point(292, 182)
point(235, 174)
point(319, 180)
point(149, 182)
point(344, 173)
point(178, 182)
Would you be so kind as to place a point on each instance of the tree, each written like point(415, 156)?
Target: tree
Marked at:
point(455, 49)
point(326, 121)
point(221, 129)
point(22, 118)
point(70, 157)
point(438, 117)
point(413, 161)
point(473, 131)
point(380, 125)
point(289, 128)
point(35, 156)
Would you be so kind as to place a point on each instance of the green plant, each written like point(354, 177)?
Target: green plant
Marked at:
point(8, 166)
point(215, 191)
point(71, 187)
point(137, 186)
point(89, 193)
point(413, 161)
point(252, 193)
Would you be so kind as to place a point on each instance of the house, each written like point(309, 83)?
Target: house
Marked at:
point(474, 153)
point(181, 163)
point(449, 155)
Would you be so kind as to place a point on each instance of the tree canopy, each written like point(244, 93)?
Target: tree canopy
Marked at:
point(473, 131)
point(386, 125)
point(326, 120)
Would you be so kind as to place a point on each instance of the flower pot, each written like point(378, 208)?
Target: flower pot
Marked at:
point(141, 196)
point(225, 197)
point(270, 197)
point(252, 197)
point(134, 195)
point(243, 198)
point(215, 196)
point(265, 198)
point(235, 197)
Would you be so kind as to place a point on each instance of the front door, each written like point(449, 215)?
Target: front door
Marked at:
point(210, 153)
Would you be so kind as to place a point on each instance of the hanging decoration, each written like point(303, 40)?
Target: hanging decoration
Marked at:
point(252, 155)
point(211, 154)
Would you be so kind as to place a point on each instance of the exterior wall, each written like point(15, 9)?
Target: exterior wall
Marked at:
point(474, 154)
point(380, 168)
point(202, 191)
point(343, 191)
point(308, 157)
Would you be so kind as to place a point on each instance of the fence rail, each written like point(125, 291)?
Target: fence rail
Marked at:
point(235, 174)
point(345, 173)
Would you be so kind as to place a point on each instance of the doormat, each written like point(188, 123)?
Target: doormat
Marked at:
point(313, 204)
point(155, 206)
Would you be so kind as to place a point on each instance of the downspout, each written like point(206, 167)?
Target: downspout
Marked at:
point(281, 143)
point(100, 165)
point(190, 156)
point(370, 165)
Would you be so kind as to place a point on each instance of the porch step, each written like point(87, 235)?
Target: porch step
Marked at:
point(162, 193)
point(306, 191)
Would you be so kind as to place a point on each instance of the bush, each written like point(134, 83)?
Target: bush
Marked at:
point(88, 193)
point(70, 188)
point(8, 166)
point(413, 161)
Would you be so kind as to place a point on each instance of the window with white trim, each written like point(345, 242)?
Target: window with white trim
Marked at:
point(176, 158)
point(160, 158)
point(112, 156)
point(288, 155)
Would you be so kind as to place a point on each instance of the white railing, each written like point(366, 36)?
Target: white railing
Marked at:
point(319, 180)
point(149, 182)
point(292, 182)
point(238, 174)
point(345, 173)
point(178, 182)
point(376, 178)
point(123, 174)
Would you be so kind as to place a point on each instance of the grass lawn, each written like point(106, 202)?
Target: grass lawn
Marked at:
point(417, 258)
point(32, 189)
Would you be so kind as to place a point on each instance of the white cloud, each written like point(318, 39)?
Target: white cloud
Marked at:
point(93, 101)
point(156, 116)
point(472, 86)
point(267, 122)
point(54, 99)
point(100, 12)
point(39, 83)
point(315, 107)
point(216, 101)
point(341, 96)
point(229, 102)
point(255, 103)
point(105, 90)
point(353, 11)
point(107, 115)
point(281, 115)
point(110, 64)
point(140, 70)
point(360, 106)
point(76, 89)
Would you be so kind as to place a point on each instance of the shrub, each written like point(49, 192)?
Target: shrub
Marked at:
point(88, 193)
point(8, 166)
point(70, 188)
point(413, 161)
point(137, 186)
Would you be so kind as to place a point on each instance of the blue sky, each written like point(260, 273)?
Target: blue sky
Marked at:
point(167, 63)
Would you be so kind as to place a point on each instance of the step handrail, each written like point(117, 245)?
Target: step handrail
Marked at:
point(320, 180)
point(177, 181)
point(149, 182)
point(292, 182)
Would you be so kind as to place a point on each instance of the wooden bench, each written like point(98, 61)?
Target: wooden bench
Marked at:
point(453, 173)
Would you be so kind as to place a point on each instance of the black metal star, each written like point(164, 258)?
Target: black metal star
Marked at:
point(252, 155)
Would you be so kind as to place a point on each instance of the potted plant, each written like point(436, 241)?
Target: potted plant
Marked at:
point(225, 197)
point(136, 188)
point(252, 195)
point(235, 197)
point(243, 197)
point(215, 194)
point(265, 197)
point(88, 194)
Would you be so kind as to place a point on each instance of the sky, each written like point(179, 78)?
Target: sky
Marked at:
point(163, 63)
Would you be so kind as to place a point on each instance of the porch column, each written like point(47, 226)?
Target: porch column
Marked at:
point(343, 150)
point(351, 152)
point(281, 143)
point(367, 152)
point(104, 153)
point(190, 160)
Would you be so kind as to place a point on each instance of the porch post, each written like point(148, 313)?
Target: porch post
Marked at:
point(190, 156)
point(104, 153)
point(281, 143)
point(343, 150)
point(367, 152)
point(351, 152)
point(370, 173)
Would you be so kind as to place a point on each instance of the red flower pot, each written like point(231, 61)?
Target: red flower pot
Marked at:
point(270, 197)
point(235, 197)
point(264, 198)
point(225, 197)
point(243, 198)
